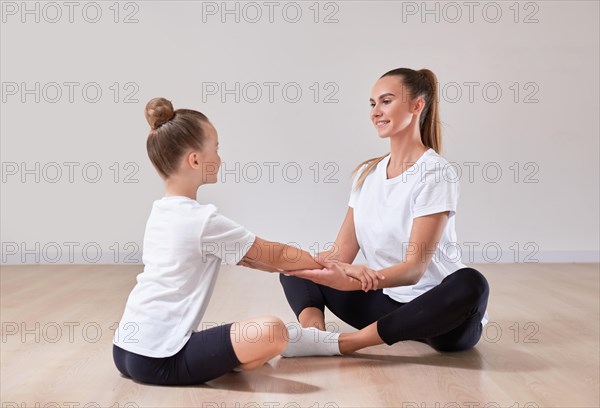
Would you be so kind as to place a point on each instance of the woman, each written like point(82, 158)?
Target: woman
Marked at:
point(401, 216)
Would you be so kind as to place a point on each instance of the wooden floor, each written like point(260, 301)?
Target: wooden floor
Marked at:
point(540, 349)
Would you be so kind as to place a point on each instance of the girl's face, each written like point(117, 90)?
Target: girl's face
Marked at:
point(211, 162)
point(392, 111)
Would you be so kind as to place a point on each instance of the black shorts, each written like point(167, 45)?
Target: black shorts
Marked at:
point(208, 354)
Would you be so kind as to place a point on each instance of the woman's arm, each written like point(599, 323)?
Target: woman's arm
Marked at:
point(425, 235)
point(277, 257)
point(346, 245)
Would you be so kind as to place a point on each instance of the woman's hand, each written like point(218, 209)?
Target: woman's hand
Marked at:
point(327, 257)
point(334, 278)
point(368, 278)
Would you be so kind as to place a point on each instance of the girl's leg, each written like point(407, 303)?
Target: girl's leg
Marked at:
point(257, 341)
point(208, 354)
point(447, 317)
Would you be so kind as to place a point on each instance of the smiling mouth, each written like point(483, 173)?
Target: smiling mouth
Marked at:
point(381, 123)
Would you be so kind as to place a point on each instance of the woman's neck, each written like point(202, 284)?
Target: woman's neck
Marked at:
point(405, 150)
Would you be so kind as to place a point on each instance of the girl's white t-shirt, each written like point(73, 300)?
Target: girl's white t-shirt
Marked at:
point(383, 214)
point(185, 243)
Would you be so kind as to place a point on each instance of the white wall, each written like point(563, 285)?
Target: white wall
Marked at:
point(177, 49)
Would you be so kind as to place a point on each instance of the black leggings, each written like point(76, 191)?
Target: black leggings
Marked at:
point(447, 317)
point(208, 354)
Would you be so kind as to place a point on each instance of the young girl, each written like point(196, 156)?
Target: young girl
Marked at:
point(401, 216)
point(184, 245)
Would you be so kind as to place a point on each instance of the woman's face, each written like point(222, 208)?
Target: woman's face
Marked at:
point(392, 111)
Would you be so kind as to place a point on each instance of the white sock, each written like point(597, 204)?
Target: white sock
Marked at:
point(311, 342)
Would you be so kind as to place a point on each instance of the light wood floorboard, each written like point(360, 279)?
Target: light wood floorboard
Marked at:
point(541, 348)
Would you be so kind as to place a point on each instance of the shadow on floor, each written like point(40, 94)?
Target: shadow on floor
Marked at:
point(497, 357)
point(260, 381)
point(493, 358)
point(267, 379)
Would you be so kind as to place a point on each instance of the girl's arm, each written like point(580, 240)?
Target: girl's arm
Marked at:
point(277, 257)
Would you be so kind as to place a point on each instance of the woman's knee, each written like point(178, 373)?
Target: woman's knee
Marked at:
point(451, 348)
point(443, 344)
point(474, 282)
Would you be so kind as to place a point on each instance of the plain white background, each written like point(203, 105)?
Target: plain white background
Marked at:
point(519, 94)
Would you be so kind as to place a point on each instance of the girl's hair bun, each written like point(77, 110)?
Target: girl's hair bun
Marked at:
point(158, 112)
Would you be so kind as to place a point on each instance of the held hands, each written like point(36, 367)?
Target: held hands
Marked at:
point(368, 278)
point(333, 278)
point(341, 276)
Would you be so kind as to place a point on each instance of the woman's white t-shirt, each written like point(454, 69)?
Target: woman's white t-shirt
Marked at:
point(184, 245)
point(383, 214)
